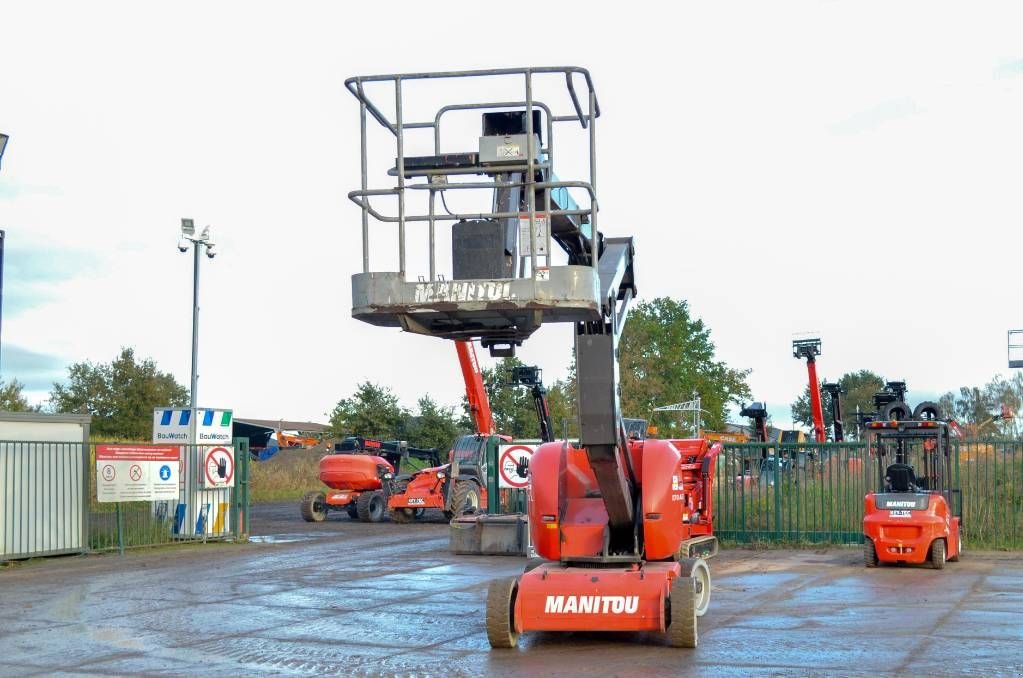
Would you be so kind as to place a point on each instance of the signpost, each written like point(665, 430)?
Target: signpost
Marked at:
point(509, 457)
point(137, 472)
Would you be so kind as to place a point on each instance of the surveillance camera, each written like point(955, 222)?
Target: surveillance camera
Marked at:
point(183, 245)
point(210, 251)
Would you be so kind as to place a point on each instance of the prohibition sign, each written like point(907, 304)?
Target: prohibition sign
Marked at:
point(214, 466)
point(135, 472)
point(109, 473)
point(509, 460)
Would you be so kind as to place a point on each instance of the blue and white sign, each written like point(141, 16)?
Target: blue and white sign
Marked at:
point(201, 426)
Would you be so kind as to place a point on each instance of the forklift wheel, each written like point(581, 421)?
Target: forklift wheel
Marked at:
point(353, 511)
point(696, 568)
point(314, 507)
point(371, 507)
point(938, 554)
point(682, 601)
point(500, 613)
point(869, 553)
point(403, 515)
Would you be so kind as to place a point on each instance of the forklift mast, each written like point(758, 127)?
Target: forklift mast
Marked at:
point(809, 349)
point(757, 412)
point(531, 376)
point(834, 391)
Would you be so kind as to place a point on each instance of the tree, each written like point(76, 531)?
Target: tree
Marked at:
point(372, 411)
point(667, 356)
point(974, 407)
point(120, 395)
point(858, 389)
point(12, 398)
point(435, 426)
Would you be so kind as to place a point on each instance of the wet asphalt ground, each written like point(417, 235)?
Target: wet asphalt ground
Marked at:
point(348, 598)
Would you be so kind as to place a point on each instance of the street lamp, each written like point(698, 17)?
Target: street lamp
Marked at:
point(196, 242)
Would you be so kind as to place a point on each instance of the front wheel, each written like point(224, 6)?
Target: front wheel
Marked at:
point(501, 613)
point(465, 498)
point(314, 507)
point(683, 603)
point(869, 553)
point(938, 554)
point(403, 515)
point(696, 569)
point(371, 507)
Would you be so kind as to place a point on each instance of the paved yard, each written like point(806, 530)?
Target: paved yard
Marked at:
point(350, 598)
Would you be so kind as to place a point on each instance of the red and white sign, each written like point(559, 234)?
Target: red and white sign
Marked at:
point(507, 465)
point(137, 472)
point(218, 467)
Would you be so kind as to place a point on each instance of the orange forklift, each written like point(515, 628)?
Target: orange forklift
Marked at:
point(914, 512)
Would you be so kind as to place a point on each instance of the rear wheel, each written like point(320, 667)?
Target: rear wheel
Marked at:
point(869, 553)
point(464, 499)
point(938, 554)
point(353, 511)
point(314, 507)
point(501, 613)
point(682, 600)
point(370, 507)
point(696, 568)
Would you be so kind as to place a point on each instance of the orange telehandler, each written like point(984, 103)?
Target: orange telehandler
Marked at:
point(459, 486)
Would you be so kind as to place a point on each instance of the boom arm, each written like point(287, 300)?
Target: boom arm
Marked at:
point(601, 429)
point(810, 349)
point(475, 392)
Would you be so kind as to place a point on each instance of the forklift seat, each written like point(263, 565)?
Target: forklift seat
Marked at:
point(900, 478)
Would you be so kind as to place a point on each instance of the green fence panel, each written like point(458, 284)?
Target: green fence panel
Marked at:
point(813, 493)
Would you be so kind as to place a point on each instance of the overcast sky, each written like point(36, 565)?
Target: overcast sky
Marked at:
point(847, 168)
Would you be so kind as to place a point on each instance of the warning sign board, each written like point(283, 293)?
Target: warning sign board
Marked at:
point(218, 467)
point(137, 472)
point(508, 463)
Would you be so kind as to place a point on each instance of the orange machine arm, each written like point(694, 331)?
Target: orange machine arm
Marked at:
point(479, 404)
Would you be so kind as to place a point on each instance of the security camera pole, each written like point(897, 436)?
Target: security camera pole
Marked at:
point(205, 239)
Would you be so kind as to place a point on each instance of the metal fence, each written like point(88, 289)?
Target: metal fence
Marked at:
point(813, 493)
point(198, 515)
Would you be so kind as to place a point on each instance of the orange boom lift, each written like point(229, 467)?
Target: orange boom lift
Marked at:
point(619, 522)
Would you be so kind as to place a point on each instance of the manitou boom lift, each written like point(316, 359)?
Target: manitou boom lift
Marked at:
point(475, 390)
point(617, 520)
point(810, 349)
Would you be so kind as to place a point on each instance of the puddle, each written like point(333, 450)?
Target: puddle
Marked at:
point(284, 538)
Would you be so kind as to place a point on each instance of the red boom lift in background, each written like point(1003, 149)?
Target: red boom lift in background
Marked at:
point(810, 349)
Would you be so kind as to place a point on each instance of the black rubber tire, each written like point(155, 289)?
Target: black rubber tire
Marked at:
point(696, 568)
point(501, 612)
point(403, 515)
point(371, 507)
point(937, 554)
point(898, 410)
point(466, 494)
point(314, 507)
point(927, 410)
point(353, 511)
point(869, 553)
point(682, 631)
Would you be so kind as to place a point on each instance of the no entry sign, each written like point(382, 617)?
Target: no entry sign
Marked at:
point(218, 467)
point(137, 472)
point(507, 465)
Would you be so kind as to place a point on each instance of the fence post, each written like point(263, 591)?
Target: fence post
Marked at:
point(777, 496)
point(120, 531)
